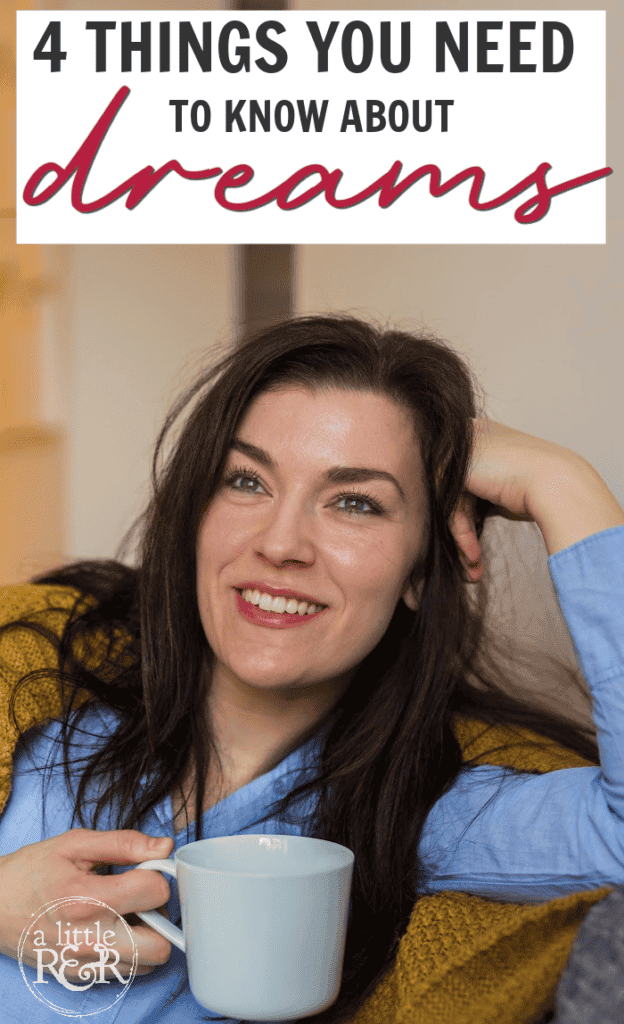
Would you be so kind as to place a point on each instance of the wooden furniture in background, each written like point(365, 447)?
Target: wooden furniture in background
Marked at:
point(30, 450)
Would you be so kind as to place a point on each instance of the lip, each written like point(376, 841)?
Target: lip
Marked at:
point(265, 588)
point(273, 620)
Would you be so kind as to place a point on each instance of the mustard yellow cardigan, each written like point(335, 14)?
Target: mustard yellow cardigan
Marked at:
point(463, 959)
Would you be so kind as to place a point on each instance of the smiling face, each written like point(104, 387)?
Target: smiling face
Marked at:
point(308, 544)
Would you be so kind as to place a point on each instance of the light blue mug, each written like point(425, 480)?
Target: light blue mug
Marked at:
point(264, 920)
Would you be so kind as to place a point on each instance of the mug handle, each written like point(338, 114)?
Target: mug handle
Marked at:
point(156, 920)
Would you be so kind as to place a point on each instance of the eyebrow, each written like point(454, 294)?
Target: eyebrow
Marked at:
point(336, 475)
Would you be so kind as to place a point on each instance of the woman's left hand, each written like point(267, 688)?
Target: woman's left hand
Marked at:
point(526, 478)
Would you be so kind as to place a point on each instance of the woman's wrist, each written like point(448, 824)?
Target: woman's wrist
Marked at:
point(570, 500)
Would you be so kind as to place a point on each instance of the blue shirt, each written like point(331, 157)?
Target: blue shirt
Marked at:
point(536, 838)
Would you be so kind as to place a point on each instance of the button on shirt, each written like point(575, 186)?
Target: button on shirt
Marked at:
point(496, 833)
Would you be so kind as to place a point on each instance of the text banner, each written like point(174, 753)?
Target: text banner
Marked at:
point(311, 127)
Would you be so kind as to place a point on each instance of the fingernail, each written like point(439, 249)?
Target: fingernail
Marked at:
point(157, 841)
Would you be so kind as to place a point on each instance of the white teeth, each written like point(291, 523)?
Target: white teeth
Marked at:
point(280, 604)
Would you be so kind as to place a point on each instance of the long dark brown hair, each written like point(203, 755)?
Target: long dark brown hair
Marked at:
point(390, 751)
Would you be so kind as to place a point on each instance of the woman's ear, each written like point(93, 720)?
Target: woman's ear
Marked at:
point(412, 595)
point(462, 527)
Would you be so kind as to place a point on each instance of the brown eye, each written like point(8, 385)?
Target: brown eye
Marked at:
point(245, 483)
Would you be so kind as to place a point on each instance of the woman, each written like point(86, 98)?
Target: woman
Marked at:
point(295, 643)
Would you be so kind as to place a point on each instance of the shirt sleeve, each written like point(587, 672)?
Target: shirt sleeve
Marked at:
point(40, 805)
point(31, 806)
point(532, 838)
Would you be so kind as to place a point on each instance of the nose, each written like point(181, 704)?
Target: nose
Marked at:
point(285, 539)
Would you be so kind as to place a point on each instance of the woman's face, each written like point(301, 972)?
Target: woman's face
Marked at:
point(307, 546)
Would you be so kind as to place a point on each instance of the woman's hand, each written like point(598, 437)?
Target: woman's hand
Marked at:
point(63, 867)
point(526, 478)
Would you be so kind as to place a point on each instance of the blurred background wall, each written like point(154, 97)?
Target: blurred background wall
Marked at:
point(541, 325)
point(97, 340)
point(131, 325)
point(96, 343)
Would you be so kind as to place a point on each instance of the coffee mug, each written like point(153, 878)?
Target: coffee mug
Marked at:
point(264, 920)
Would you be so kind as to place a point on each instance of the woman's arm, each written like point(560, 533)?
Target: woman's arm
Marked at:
point(537, 837)
point(527, 478)
point(532, 838)
point(43, 859)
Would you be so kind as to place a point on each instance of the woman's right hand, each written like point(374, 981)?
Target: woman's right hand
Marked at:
point(63, 867)
point(526, 478)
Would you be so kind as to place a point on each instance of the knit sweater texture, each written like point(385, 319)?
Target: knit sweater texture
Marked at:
point(463, 959)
